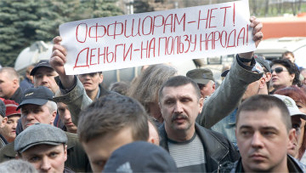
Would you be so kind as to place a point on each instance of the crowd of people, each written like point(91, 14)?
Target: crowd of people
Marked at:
point(254, 121)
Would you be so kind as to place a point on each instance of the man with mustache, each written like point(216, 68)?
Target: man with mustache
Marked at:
point(194, 148)
point(263, 132)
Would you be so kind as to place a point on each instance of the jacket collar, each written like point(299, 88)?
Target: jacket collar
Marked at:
point(292, 164)
point(214, 149)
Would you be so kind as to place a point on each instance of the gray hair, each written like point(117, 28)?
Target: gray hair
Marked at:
point(52, 106)
point(146, 87)
point(17, 166)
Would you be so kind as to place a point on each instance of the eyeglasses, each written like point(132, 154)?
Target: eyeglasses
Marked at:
point(278, 70)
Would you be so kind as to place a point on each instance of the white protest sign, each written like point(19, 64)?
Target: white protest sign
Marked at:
point(110, 43)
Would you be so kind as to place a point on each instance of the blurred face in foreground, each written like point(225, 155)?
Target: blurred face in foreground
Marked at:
point(100, 148)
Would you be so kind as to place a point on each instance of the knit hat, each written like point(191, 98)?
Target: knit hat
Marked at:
point(11, 107)
point(2, 108)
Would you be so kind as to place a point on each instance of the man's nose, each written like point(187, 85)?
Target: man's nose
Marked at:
point(257, 140)
point(178, 108)
point(45, 164)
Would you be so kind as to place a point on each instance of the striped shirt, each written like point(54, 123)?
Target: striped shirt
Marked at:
point(189, 156)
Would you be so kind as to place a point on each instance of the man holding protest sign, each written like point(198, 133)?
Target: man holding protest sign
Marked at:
point(77, 40)
point(179, 132)
point(80, 100)
point(73, 93)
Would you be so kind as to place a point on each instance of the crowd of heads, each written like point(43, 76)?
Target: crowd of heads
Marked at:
point(124, 120)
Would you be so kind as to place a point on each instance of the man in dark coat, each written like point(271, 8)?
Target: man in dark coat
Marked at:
point(194, 148)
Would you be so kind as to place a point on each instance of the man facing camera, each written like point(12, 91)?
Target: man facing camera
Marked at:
point(264, 132)
point(44, 146)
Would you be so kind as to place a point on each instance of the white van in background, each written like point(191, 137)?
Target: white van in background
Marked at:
point(274, 47)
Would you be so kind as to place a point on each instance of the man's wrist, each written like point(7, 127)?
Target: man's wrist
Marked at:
point(244, 59)
point(247, 65)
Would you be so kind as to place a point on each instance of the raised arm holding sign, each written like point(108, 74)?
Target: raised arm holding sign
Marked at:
point(156, 37)
point(60, 58)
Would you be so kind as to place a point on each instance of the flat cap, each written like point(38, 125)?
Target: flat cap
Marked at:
point(201, 75)
point(39, 134)
point(264, 63)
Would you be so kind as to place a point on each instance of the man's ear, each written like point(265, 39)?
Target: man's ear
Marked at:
point(262, 83)
point(15, 83)
point(268, 76)
point(101, 77)
point(3, 123)
point(292, 137)
point(201, 103)
point(53, 117)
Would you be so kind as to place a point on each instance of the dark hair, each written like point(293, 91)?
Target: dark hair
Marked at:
point(292, 69)
point(201, 86)
point(112, 113)
point(287, 53)
point(265, 103)
point(119, 87)
point(15, 165)
point(177, 81)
